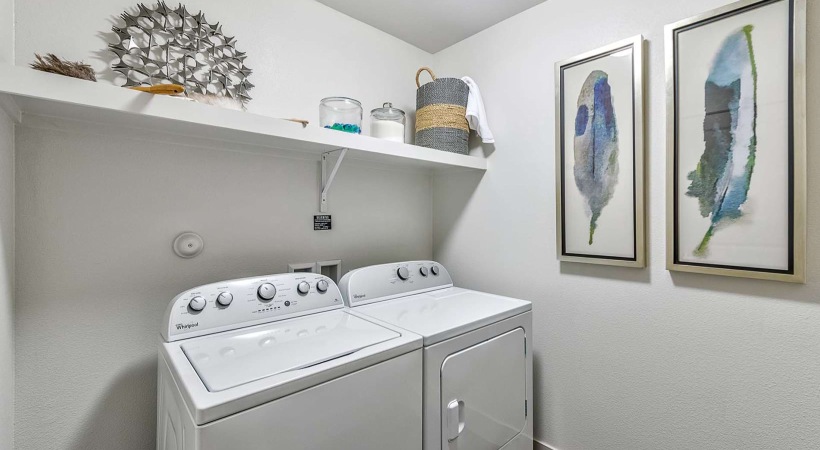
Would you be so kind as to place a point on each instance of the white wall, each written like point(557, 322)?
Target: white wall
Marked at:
point(625, 358)
point(6, 242)
point(95, 269)
point(97, 211)
point(6, 31)
point(6, 281)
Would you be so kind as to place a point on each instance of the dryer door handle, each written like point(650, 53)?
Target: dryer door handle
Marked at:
point(455, 419)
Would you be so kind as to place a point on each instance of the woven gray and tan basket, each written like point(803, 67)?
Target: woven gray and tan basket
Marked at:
point(441, 106)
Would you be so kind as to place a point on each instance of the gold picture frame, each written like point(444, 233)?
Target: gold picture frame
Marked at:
point(636, 256)
point(749, 259)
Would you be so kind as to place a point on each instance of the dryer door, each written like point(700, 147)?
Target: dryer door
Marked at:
point(483, 394)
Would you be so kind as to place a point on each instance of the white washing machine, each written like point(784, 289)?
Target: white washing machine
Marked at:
point(477, 362)
point(278, 362)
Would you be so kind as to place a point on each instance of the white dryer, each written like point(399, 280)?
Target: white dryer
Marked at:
point(278, 362)
point(477, 358)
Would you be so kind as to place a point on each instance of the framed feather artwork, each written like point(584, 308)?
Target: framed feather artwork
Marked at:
point(599, 156)
point(736, 141)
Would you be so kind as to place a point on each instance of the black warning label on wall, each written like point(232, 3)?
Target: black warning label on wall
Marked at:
point(321, 222)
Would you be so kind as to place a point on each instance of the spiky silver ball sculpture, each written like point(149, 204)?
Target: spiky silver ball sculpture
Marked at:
point(161, 44)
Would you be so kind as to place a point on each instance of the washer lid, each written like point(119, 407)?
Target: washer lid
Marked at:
point(445, 313)
point(234, 358)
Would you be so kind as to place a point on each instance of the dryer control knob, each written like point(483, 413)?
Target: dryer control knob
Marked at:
point(224, 298)
point(303, 287)
point(403, 273)
point(434, 269)
point(266, 292)
point(197, 303)
point(322, 286)
point(423, 271)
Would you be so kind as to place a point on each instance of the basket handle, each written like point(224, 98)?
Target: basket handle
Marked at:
point(428, 70)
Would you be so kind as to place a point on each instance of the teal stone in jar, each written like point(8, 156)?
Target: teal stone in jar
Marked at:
point(341, 113)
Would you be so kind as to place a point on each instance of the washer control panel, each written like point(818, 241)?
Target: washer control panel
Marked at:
point(376, 283)
point(233, 304)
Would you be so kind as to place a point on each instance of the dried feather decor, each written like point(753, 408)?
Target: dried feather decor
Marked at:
point(53, 64)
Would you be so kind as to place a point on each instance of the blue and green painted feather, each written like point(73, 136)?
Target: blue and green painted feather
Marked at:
point(596, 146)
point(723, 175)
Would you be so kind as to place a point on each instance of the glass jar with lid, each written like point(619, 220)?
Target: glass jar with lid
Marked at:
point(341, 113)
point(387, 122)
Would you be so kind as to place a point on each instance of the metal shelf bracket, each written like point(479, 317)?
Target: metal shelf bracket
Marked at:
point(327, 179)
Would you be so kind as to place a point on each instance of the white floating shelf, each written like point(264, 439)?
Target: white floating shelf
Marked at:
point(30, 92)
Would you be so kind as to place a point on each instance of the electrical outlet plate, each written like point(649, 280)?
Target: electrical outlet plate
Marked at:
point(302, 267)
point(331, 269)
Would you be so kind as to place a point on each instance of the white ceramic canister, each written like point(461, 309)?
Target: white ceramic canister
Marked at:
point(387, 123)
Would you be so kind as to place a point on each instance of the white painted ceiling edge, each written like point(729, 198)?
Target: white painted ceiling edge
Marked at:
point(431, 25)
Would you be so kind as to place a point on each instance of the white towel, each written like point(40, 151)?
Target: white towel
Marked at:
point(476, 116)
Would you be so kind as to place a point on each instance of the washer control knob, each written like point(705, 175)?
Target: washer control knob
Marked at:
point(434, 269)
point(322, 286)
point(224, 298)
point(197, 303)
point(266, 292)
point(403, 273)
point(303, 287)
point(423, 271)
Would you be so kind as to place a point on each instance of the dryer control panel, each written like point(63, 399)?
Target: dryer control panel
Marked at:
point(228, 305)
point(383, 282)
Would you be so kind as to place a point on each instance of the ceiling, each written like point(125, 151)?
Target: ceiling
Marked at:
point(431, 25)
